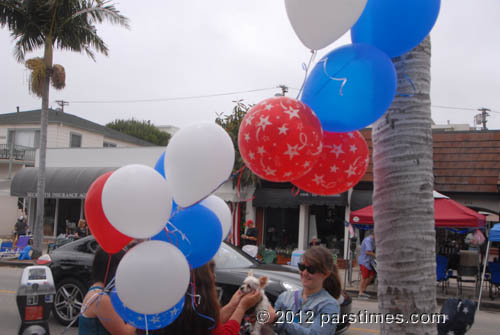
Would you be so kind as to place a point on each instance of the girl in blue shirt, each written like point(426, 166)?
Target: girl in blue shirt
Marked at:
point(314, 308)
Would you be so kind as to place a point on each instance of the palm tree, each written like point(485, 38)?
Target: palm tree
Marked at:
point(231, 123)
point(48, 24)
point(403, 202)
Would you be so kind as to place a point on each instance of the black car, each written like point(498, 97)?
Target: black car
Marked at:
point(71, 267)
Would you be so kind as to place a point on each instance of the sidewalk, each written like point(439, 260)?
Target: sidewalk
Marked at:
point(468, 290)
point(24, 263)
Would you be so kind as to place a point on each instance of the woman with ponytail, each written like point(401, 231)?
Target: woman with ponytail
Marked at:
point(98, 317)
point(320, 289)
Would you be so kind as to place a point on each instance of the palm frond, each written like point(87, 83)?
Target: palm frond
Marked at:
point(65, 24)
point(82, 39)
point(98, 14)
point(26, 43)
point(10, 12)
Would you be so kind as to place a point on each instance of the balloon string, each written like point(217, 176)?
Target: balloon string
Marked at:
point(195, 304)
point(404, 95)
point(306, 70)
point(343, 80)
point(107, 269)
point(412, 85)
point(170, 240)
point(240, 172)
point(146, 321)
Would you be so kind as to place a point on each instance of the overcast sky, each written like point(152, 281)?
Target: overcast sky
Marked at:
point(198, 47)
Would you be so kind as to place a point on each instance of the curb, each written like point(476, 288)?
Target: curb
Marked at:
point(17, 263)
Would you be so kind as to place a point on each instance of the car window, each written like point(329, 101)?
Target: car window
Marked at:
point(228, 258)
point(89, 247)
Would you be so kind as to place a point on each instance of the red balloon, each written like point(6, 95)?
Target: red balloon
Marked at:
point(342, 164)
point(110, 239)
point(280, 139)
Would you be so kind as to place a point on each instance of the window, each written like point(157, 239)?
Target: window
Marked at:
point(24, 137)
point(75, 140)
point(109, 145)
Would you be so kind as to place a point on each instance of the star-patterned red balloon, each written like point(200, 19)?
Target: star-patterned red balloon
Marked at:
point(280, 139)
point(342, 164)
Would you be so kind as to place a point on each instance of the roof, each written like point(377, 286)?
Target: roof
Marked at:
point(464, 161)
point(33, 116)
point(447, 213)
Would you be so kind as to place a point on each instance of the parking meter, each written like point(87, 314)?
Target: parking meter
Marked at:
point(35, 298)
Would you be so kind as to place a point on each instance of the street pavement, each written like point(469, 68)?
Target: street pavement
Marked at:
point(9, 314)
point(487, 322)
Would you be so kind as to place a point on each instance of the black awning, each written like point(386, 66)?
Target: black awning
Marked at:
point(60, 182)
point(286, 198)
point(361, 199)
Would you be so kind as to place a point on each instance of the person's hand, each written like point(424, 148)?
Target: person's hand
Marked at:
point(235, 299)
point(244, 236)
point(250, 299)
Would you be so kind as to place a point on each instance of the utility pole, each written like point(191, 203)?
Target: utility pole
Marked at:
point(284, 90)
point(62, 103)
point(484, 114)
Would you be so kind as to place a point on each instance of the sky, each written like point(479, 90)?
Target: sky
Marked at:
point(177, 51)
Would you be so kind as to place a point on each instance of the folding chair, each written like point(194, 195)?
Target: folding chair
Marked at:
point(442, 272)
point(15, 251)
point(494, 268)
point(468, 267)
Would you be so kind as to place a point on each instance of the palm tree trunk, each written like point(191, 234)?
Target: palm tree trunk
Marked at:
point(44, 115)
point(403, 200)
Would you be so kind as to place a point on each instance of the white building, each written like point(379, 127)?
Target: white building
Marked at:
point(20, 137)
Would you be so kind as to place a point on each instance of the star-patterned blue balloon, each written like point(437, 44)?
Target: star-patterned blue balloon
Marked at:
point(145, 321)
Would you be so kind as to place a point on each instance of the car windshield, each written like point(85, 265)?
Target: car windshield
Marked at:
point(229, 258)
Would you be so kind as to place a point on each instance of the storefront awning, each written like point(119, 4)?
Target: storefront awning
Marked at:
point(286, 198)
point(361, 199)
point(60, 182)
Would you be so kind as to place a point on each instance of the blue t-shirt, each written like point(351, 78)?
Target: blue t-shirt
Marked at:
point(366, 245)
point(319, 313)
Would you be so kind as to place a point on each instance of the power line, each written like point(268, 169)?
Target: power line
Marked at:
point(450, 107)
point(169, 99)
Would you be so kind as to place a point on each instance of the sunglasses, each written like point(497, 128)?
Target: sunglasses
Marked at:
point(311, 269)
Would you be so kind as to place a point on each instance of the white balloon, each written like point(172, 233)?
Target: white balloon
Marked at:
point(198, 159)
point(318, 23)
point(137, 201)
point(152, 277)
point(221, 210)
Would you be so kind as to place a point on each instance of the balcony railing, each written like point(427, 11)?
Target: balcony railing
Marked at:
point(17, 152)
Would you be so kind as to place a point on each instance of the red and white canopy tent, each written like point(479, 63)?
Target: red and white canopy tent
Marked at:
point(447, 213)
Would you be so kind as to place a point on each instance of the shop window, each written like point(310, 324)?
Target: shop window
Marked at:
point(281, 228)
point(329, 227)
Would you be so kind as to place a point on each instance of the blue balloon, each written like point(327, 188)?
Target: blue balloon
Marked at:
point(395, 26)
point(350, 87)
point(196, 231)
point(171, 234)
point(160, 164)
point(145, 321)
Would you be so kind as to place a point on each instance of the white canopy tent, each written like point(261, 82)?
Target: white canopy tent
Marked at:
point(494, 237)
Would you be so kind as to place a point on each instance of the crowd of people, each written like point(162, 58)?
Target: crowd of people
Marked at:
point(202, 314)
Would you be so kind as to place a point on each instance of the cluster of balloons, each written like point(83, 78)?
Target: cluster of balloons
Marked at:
point(314, 142)
point(352, 86)
point(172, 210)
point(281, 139)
